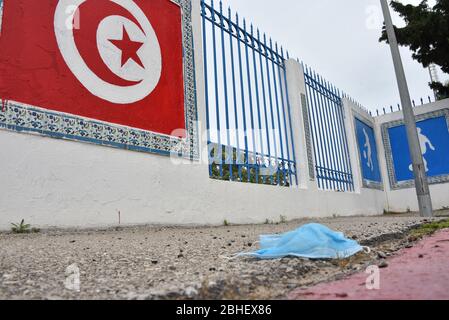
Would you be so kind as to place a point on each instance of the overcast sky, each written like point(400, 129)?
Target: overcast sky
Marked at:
point(339, 39)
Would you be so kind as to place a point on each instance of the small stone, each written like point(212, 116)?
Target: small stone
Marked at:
point(381, 255)
point(72, 241)
point(421, 256)
point(383, 264)
point(250, 244)
point(409, 245)
point(190, 292)
point(341, 295)
point(212, 269)
point(154, 261)
point(180, 256)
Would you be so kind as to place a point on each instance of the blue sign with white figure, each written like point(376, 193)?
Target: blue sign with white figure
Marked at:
point(369, 160)
point(433, 136)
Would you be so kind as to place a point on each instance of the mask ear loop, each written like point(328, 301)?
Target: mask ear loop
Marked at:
point(233, 257)
point(366, 249)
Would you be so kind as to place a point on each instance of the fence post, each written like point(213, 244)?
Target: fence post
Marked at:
point(352, 145)
point(300, 122)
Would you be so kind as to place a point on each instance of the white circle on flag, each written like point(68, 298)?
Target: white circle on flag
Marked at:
point(112, 28)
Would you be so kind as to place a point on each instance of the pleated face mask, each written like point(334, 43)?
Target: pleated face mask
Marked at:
point(313, 241)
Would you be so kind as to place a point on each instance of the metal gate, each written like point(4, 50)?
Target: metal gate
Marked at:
point(327, 126)
point(248, 113)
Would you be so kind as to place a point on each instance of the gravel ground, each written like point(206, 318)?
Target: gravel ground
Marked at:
point(180, 263)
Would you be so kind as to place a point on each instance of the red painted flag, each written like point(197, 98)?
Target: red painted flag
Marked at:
point(118, 61)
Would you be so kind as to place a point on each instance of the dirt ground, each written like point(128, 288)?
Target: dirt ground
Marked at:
point(181, 263)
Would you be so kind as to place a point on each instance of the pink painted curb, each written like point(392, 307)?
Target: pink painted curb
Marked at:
point(418, 273)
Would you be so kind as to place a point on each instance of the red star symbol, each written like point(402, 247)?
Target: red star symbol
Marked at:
point(129, 48)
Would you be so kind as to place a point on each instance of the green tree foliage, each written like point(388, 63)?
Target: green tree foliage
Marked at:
point(229, 170)
point(427, 35)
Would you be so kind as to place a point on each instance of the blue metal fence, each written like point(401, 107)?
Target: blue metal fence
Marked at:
point(326, 117)
point(247, 109)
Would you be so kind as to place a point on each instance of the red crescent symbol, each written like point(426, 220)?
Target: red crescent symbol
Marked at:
point(90, 16)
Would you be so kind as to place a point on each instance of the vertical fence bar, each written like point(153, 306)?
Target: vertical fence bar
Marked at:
point(267, 131)
point(282, 105)
point(225, 89)
point(293, 165)
point(217, 96)
point(281, 158)
point(312, 117)
point(273, 126)
point(248, 73)
point(326, 124)
point(256, 84)
point(234, 94)
point(325, 163)
point(283, 113)
point(243, 99)
point(206, 82)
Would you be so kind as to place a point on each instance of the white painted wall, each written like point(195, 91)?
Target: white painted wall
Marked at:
point(405, 199)
point(51, 182)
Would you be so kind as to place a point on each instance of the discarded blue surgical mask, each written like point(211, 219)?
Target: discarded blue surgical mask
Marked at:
point(313, 241)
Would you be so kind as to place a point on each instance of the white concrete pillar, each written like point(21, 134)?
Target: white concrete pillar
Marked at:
point(298, 104)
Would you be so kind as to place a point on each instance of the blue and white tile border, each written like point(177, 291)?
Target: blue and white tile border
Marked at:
point(19, 117)
point(394, 184)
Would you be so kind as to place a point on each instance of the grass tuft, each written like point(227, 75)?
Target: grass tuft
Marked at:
point(429, 229)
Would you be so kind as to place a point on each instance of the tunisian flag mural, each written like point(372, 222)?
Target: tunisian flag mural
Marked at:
point(118, 61)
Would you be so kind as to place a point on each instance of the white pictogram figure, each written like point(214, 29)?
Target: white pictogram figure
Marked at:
point(367, 151)
point(424, 141)
point(116, 35)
